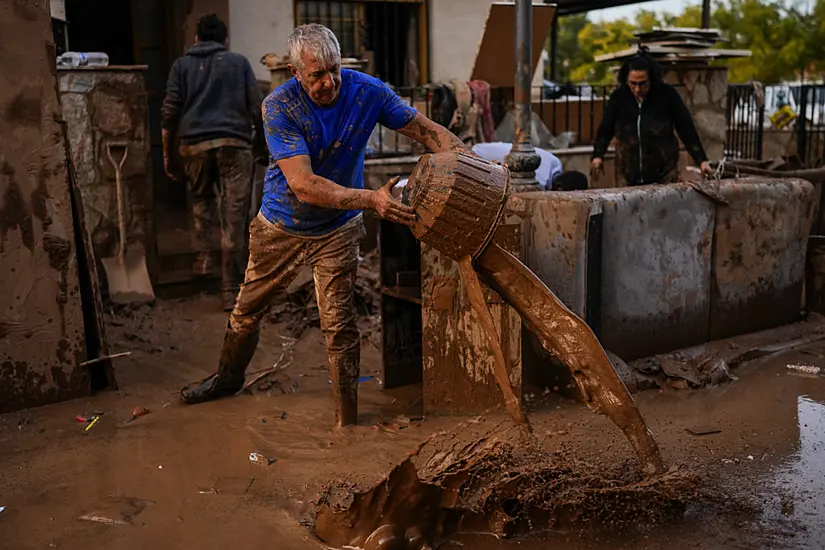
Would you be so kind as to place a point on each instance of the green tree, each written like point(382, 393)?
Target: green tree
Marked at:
point(785, 41)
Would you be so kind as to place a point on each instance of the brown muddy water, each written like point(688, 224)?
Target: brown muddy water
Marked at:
point(778, 505)
point(180, 476)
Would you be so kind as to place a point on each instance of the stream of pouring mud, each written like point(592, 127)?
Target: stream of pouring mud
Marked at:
point(570, 339)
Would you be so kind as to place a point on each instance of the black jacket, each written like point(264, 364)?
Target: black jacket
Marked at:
point(656, 154)
point(212, 93)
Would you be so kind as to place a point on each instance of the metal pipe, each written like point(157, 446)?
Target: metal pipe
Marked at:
point(705, 14)
point(522, 159)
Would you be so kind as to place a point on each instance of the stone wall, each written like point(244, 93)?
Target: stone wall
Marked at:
point(103, 106)
point(705, 91)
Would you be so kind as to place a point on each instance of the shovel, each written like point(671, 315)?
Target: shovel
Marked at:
point(126, 274)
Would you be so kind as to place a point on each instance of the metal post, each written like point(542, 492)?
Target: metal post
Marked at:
point(554, 46)
point(705, 14)
point(522, 159)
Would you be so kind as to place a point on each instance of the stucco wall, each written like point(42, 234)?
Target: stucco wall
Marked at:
point(456, 28)
point(257, 27)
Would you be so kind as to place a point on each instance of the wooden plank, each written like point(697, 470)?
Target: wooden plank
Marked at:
point(41, 311)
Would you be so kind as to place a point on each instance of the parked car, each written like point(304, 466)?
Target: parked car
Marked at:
point(552, 91)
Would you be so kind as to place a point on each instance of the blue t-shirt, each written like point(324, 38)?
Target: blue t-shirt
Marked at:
point(335, 138)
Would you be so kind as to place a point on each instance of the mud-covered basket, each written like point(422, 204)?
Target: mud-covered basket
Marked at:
point(459, 200)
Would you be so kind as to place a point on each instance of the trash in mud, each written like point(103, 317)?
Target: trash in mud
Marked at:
point(118, 511)
point(703, 430)
point(261, 460)
point(136, 413)
point(94, 420)
point(805, 369)
point(2, 509)
point(400, 422)
point(365, 379)
point(235, 486)
point(103, 520)
point(711, 363)
point(283, 362)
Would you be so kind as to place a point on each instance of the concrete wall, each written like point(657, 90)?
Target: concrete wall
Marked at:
point(257, 27)
point(43, 336)
point(661, 287)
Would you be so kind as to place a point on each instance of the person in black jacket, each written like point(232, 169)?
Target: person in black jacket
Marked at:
point(642, 113)
point(212, 105)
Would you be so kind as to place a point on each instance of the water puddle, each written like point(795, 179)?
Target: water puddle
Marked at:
point(797, 488)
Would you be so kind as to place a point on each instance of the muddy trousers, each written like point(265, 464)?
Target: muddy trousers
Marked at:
point(275, 258)
point(220, 181)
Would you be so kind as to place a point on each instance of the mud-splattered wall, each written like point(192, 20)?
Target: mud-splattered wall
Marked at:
point(42, 333)
point(102, 106)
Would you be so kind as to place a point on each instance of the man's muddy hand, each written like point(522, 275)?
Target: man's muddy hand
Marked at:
point(391, 209)
point(169, 168)
point(596, 169)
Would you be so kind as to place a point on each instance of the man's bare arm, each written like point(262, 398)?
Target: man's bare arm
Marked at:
point(319, 191)
point(433, 136)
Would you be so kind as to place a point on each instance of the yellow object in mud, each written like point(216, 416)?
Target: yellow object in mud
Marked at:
point(782, 117)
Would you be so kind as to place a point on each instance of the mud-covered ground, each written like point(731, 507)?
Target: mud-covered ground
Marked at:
point(180, 476)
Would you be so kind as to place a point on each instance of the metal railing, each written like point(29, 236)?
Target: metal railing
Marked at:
point(810, 123)
point(576, 109)
point(745, 121)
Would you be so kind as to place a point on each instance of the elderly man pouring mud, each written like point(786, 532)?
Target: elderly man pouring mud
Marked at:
point(317, 126)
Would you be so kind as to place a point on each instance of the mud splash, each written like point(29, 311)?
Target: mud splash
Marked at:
point(482, 483)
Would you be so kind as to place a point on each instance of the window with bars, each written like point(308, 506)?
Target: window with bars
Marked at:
point(391, 34)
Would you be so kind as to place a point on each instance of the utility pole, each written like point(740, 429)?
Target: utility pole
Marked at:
point(705, 14)
point(523, 159)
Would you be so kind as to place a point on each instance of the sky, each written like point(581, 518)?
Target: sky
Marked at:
point(671, 6)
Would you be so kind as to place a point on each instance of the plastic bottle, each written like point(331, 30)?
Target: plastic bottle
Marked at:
point(82, 59)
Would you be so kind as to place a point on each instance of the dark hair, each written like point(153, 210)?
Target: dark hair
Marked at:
point(641, 62)
point(211, 29)
point(570, 181)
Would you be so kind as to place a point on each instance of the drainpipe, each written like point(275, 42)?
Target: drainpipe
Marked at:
point(522, 159)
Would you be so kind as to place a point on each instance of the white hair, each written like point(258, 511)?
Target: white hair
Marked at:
point(316, 40)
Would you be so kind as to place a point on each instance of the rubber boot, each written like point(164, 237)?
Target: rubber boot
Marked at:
point(232, 273)
point(344, 375)
point(237, 352)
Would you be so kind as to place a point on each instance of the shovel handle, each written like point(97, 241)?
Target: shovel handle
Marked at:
point(121, 211)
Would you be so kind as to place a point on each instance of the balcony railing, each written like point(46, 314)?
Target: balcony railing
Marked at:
point(574, 109)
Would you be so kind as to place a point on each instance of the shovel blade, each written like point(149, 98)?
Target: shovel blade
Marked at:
point(128, 281)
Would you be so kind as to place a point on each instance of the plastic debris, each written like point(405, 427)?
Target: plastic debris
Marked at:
point(2, 509)
point(103, 520)
point(805, 369)
point(93, 421)
point(137, 412)
point(365, 379)
point(260, 459)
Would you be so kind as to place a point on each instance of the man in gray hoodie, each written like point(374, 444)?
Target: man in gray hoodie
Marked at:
point(212, 105)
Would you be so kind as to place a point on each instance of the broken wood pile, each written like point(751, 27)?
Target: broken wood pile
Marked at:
point(677, 44)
